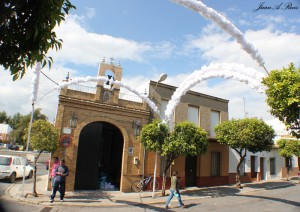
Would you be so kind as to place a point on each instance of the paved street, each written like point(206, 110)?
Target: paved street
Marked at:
point(282, 199)
point(9, 204)
point(266, 196)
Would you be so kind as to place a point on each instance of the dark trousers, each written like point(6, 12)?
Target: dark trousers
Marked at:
point(60, 187)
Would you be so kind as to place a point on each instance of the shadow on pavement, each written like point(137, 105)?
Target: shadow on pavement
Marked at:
point(289, 202)
point(143, 206)
point(270, 185)
point(191, 205)
point(212, 192)
point(92, 195)
point(232, 191)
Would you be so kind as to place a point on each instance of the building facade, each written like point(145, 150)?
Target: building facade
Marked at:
point(5, 130)
point(264, 166)
point(211, 168)
point(99, 130)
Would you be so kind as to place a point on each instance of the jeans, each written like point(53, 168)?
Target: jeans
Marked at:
point(52, 181)
point(60, 187)
point(177, 194)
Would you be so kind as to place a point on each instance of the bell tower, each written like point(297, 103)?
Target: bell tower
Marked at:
point(105, 91)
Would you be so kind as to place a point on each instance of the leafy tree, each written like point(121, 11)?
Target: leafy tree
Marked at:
point(3, 117)
point(287, 148)
point(283, 96)
point(21, 123)
point(26, 29)
point(13, 121)
point(43, 137)
point(186, 140)
point(153, 135)
point(242, 135)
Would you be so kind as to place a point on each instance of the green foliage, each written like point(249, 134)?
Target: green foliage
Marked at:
point(283, 96)
point(26, 29)
point(20, 122)
point(251, 134)
point(153, 135)
point(13, 121)
point(288, 147)
point(44, 136)
point(3, 117)
point(187, 140)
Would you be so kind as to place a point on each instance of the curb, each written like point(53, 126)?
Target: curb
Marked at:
point(13, 192)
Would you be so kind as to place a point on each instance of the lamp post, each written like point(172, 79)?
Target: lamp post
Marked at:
point(28, 137)
point(161, 78)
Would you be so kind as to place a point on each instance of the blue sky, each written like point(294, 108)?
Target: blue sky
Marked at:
point(160, 36)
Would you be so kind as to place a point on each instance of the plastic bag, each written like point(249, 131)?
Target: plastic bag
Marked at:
point(176, 194)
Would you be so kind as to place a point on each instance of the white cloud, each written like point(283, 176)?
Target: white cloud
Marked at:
point(83, 47)
point(15, 95)
point(90, 12)
point(277, 48)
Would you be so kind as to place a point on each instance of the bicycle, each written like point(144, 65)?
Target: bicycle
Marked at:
point(140, 185)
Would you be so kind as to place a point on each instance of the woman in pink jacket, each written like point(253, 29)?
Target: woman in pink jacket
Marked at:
point(53, 168)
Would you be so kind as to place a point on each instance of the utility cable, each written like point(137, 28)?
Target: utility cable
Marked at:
point(49, 78)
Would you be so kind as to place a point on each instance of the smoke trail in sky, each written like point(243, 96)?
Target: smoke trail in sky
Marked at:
point(225, 24)
point(116, 82)
point(226, 71)
point(35, 82)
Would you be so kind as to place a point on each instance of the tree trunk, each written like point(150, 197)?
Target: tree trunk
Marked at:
point(288, 169)
point(34, 193)
point(163, 186)
point(168, 163)
point(238, 174)
point(238, 171)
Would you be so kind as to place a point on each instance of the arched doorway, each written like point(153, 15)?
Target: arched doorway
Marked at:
point(99, 157)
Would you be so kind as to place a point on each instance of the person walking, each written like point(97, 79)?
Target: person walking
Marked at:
point(59, 184)
point(53, 168)
point(174, 190)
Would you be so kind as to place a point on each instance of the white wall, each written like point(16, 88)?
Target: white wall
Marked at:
point(279, 162)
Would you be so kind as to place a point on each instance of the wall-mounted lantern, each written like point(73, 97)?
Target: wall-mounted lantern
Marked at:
point(73, 121)
point(136, 125)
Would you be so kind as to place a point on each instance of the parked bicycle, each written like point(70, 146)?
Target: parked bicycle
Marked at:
point(140, 185)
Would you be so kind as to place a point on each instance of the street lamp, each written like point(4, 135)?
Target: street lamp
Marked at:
point(28, 136)
point(161, 78)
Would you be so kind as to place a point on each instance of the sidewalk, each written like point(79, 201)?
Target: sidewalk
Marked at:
point(117, 198)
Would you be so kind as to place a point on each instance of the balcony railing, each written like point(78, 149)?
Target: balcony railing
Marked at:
point(88, 89)
point(129, 97)
point(82, 88)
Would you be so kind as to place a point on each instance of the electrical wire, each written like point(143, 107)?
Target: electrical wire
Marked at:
point(49, 78)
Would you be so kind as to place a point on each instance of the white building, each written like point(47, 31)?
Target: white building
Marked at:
point(263, 165)
point(5, 130)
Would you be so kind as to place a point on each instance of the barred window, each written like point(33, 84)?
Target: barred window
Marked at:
point(214, 121)
point(272, 166)
point(215, 164)
point(193, 115)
